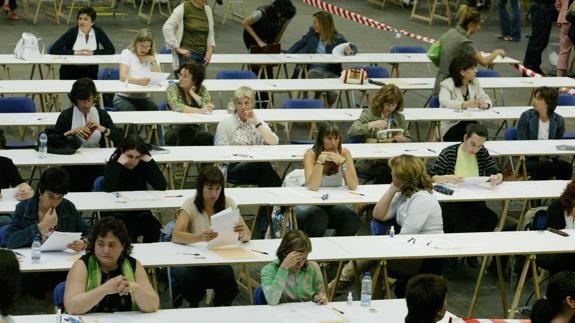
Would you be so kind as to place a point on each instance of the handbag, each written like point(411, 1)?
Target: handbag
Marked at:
point(28, 47)
point(434, 52)
point(60, 144)
point(354, 75)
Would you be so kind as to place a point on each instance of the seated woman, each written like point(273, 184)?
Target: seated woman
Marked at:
point(327, 164)
point(408, 202)
point(9, 284)
point(132, 168)
point(321, 38)
point(192, 226)
point(426, 299)
point(384, 113)
point(86, 39)
point(542, 123)
point(136, 64)
point(461, 91)
point(189, 95)
point(107, 278)
point(91, 125)
point(291, 277)
point(558, 306)
point(243, 128)
point(10, 177)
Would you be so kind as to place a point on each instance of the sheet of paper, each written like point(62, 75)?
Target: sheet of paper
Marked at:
point(308, 313)
point(139, 196)
point(233, 253)
point(9, 194)
point(59, 240)
point(223, 223)
point(339, 50)
point(157, 77)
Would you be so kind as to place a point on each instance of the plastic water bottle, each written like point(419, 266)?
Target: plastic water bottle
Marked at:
point(36, 253)
point(349, 299)
point(43, 149)
point(392, 232)
point(366, 290)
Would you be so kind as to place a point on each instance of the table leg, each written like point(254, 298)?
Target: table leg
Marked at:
point(519, 289)
point(503, 216)
point(386, 280)
point(477, 288)
point(535, 278)
point(331, 293)
point(501, 284)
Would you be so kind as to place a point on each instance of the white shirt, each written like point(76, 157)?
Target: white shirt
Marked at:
point(543, 133)
point(233, 132)
point(135, 70)
point(82, 44)
point(569, 221)
point(419, 214)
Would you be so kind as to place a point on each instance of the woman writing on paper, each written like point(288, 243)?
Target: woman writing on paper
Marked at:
point(91, 125)
point(291, 277)
point(9, 284)
point(107, 278)
point(558, 306)
point(192, 226)
point(542, 123)
point(84, 40)
point(461, 91)
point(384, 113)
point(189, 95)
point(327, 164)
point(136, 64)
point(132, 168)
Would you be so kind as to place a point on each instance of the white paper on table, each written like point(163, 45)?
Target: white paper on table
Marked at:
point(9, 194)
point(59, 240)
point(157, 77)
point(307, 313)
point(139, 196)
point(339, 50)
point(223, 223)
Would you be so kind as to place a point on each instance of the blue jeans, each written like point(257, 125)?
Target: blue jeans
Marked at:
point(314, 220)
point(544, 15)
point(196, 57)
point(510, 28)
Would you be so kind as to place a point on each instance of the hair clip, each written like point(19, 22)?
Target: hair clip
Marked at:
point(325, 196)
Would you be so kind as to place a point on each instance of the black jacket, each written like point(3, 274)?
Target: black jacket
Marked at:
point(64, 45)
point(64, 123)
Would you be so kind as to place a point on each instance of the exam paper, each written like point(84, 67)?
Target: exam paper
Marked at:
point(59, 240)
point(157, 77)
point(308, 312)
point(9, 194)
point(139, 196)
point(223, 223)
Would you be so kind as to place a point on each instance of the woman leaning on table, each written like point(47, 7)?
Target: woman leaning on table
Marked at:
point(459, 92)
point(328, 164)
point(84, 40)
point(136, 64)
point(542, 123)
point(291, 277)
point(384, 113)
point(107, 278)
point(267, 24)
point(91, 125)
point(189, 31)
point(189, 95)
point(558, 306)
point(194, 225)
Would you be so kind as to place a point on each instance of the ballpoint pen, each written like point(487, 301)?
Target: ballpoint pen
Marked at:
point(262, 252)
point(431, 150)
point(168, 196)
point(188, 253)
point(338, 310)
point(356, 193)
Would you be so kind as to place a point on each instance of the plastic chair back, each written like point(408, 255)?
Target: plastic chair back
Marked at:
point(379, 228)
point(487, 73)
point(408, 50)
point(433, 102)
point(163, 106)
point(565, 99)
point(375, 71)
point(303, 104)
point(3, 230)
point(236, 75)
point(165, 50)
point(109, 73)
point(59, 294)
point(355, 140)
point(99, 184)
point(16, 104)
point(259, 297)
point(511, 134)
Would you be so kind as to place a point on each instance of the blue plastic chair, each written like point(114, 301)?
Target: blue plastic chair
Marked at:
point(510, 134)
point(433, 102)
point(163, 106)
point(109, 73)
point(3, 230)
point(565, 99)
point(379, 228)
point(59, 294)
point(408, 50)
point(259, 297)
point(236, 75)
point(165, 50)
point(18, 104)
point(355, 140)
point(99, 184)
point(492, 73)
point(302, 104)
point(375, 71)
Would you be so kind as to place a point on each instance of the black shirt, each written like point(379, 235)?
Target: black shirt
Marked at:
point(9, 174)
point(118, 177)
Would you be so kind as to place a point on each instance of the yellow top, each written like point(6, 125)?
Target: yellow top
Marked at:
point(466, 164)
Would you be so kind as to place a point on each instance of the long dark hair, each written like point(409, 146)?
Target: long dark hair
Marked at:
point(561, 286)
point(9, 281)
point(210, 175)
point(327, 129)
point(460, 63)
point(129, 143)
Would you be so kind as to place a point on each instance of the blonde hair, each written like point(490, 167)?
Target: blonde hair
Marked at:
point(327, 29)
point(389, 93)
point(467, 16)
point(144, 35)
point(244, 91)
point(411, 173)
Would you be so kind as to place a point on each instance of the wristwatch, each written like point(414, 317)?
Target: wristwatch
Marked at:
point(258, 124)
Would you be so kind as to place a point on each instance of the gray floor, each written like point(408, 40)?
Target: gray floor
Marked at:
point(122, 28)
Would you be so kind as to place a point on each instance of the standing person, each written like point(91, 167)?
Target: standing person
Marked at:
point(384, 112)
point(457, 41)
point(194, 225)
point(459, 92)
point(426, 299)
point(467, 159)
point(558, 306)
point(9, 7)
point(91, 125)
point(267, 24)
point(291, 277)
point(189, 31)
point(107, 278)
point(543, 14)
point(565, 42)
point(9, 284)
point(243, 128)
point(328, 164)
point(542, 123)
point(132, 168)
point(136, 64)
point(189, 95)
point(510, 30)
point(86, 39)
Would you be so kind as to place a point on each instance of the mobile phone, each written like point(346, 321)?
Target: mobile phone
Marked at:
point(559, 232)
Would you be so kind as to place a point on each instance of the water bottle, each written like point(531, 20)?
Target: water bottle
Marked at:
point(36, 253)
point(43, 149)
point(366, 290)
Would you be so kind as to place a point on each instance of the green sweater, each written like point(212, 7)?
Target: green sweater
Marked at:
point(359, 126)
point(284, 286)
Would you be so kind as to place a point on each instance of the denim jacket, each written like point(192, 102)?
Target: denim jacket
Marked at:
point(308, 45)
point(528, 126)
point(24, 226)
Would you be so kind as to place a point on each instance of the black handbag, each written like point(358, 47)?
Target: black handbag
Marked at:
point(60, 144)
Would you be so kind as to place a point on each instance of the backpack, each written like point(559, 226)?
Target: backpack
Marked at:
point(536, 219)
point(28, 47)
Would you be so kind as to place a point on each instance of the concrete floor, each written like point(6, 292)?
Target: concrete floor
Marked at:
point(122, 28)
